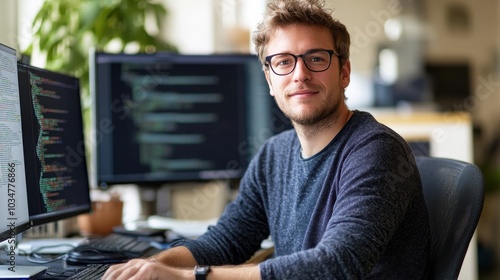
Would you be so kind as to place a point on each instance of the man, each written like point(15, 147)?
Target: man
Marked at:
point(340, 194)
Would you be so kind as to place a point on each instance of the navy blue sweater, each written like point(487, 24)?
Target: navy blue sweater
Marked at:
point(355, 210)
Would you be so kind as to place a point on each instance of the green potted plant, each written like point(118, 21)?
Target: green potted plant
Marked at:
point(65, 30)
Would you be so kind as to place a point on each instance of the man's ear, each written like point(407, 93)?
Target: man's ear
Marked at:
point(345, 74)
point(268, 79)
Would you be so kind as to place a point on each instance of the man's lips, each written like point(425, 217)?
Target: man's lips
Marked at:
point(299, 93)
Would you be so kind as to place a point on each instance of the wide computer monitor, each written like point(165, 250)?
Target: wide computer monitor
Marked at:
point(14, 217)
point(54, 145)
point(167, 117)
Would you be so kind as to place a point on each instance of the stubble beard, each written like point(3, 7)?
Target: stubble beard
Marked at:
point(323, 115)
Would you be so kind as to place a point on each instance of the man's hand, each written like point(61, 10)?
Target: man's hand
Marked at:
point(140, 269)
point(176, 263)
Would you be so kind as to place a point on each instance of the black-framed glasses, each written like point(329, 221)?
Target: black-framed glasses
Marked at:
point(316, 60)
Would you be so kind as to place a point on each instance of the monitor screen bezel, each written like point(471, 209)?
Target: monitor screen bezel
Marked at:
point(10, 233)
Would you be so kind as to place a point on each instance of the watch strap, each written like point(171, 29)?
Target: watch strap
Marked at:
point(201, 271)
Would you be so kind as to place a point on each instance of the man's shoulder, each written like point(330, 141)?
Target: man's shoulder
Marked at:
point(364, 123)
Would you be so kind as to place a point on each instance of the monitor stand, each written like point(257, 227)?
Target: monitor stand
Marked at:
point(21, 271)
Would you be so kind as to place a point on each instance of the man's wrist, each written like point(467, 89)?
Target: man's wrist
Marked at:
point(201, 271)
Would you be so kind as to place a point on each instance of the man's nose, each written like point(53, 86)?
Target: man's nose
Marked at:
point(301, 72)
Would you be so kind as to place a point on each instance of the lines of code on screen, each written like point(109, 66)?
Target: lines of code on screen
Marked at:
point(54, 141)
point(171, 121)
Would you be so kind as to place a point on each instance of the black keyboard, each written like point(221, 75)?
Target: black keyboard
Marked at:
point(91, 272)
point(119, 243)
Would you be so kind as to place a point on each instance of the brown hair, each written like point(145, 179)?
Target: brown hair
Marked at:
point(309, 12)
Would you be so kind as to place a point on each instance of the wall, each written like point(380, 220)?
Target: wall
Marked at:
point(26, 11)
point(8, 24)
point(190, 25)
point(211, 26)
point(16, 17)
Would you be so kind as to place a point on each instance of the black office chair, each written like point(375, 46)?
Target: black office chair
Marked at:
point(454, 195)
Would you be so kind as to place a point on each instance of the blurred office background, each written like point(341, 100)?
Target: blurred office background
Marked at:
point(440, 55)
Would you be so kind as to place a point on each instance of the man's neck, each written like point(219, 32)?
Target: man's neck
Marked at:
point(314, 138)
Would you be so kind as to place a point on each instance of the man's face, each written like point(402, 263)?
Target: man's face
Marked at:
point(307, 97)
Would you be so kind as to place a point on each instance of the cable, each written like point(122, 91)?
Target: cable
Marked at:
point(34, 257)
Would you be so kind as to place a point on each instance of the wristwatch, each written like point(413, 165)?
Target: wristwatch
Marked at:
point(201, 271)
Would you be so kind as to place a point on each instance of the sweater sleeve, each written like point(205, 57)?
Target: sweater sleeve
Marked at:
point(238, 233)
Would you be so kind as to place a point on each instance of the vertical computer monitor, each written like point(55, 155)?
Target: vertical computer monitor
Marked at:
point(14, 217)
point(167, 117)
point(54, 145)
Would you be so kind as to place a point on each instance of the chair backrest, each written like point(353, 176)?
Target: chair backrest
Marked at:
point(454, 195)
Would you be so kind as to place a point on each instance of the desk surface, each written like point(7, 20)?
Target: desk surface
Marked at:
point(420, 117)
point(57, 269)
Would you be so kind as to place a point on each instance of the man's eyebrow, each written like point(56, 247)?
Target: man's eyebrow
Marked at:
point(307, 51)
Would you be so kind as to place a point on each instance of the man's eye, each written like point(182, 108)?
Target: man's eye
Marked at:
point(283, 62)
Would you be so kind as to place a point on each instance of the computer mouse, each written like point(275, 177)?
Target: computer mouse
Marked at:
point(88, 255)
